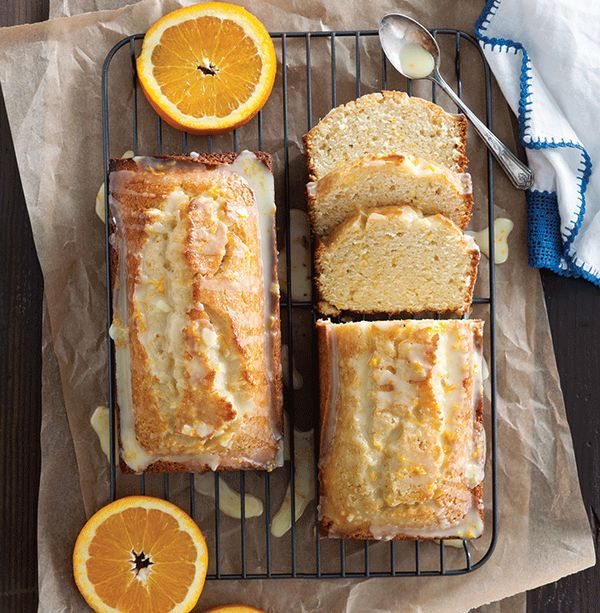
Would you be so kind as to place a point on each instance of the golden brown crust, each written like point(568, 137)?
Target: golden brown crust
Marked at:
point(323, 306)
point(475, 256)
point(478, 491)
point(468, 211)
point(161, 466)
point(461, 159)
point(143, 395)
point(308, 148)
point(327, 526)
point(310, 211)
point(210, 160)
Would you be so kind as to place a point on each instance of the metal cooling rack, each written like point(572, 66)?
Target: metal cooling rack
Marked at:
point(329, 559)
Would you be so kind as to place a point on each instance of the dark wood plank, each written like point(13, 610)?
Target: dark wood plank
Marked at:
point(574, 310)
point(16, 12)
point(20, 365)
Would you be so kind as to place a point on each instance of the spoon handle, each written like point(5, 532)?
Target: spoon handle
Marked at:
point(519, 174)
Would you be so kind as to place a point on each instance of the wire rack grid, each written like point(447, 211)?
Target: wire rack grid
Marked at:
point(342, 558)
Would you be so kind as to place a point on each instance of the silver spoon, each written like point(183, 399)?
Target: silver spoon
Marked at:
point(403, 38)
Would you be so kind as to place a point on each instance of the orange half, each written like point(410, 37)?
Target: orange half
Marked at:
point(207, 68)
point(140, 554)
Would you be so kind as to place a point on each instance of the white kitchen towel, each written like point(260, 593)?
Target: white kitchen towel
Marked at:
point(545, 55)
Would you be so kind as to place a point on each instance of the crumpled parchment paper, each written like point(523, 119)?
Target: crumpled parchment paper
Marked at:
point(50, 77)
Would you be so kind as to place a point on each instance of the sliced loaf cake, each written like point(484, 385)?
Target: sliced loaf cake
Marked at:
point(382, 180)
point(386, 122)
point(394, 260)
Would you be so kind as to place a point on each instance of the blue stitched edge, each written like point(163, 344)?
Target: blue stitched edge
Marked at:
point(544, 233)
point(525, 103)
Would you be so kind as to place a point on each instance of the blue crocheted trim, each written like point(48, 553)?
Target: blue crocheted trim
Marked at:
point(564, 248)
point(543, 233)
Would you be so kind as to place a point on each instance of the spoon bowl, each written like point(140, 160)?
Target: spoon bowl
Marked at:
point(414, 53)
point(397, 33)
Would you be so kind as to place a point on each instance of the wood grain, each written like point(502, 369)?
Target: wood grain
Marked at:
point(20, 365)
point(574, 312)
point(573, 308)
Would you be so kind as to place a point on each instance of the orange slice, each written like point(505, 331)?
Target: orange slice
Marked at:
point(207, 68)
point(234, 608)
point(140, 554)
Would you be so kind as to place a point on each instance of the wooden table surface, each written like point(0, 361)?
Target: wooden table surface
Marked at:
point(573, 308)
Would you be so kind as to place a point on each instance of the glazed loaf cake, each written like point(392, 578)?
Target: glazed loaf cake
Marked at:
point(384, 180)
point(394, 260)
point(402, 448)
point(196, 312)
point(386, 122)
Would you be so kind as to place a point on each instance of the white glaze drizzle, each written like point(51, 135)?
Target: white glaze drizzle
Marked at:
point(452, 366)
point(100, 423)
point(304, 486)
point(300, 258)
point(297, 379)
point(417, 166)
point(328, 432)
point(502, 228)
point(470, 526)
point(260, 181)
point(101, 195)
point(230, 500)
point(485, 371)
point(416, 61)
point(475, 464)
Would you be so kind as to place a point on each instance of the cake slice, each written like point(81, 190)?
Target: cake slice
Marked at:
point(386, 122)
point(402, 448)
point(386, 179)
point(393, 260)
